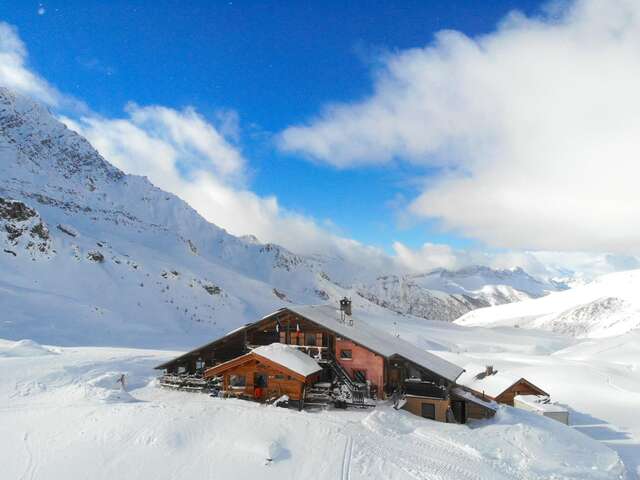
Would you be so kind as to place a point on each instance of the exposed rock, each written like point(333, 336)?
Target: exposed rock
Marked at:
point(95, 256)
point(212, 289)
point(67, 229)
point(23, 224)
point(280, 295)
point(40, 231)
point(13, 210)
point(322, 294)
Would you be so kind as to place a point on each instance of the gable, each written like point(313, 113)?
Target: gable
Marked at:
point(521, 387)
point(253, 358)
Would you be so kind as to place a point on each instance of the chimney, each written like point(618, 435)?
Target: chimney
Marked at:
point(345, 312)
point(489, 370)
point(345, 306)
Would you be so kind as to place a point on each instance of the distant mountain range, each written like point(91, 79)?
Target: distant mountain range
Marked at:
point(606, 307)
point(446, 295)
point(91, 255)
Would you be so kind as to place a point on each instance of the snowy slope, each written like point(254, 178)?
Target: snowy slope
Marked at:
point(90, 255)
point(597, 379)
point(446, 295)
point(607, 306)
point(62, 415)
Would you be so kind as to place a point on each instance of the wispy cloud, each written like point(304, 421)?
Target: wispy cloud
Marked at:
point(96, 65)
point(15, 72)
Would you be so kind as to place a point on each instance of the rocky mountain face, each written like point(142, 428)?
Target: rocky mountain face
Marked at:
point(91, 255)
point(446, 295)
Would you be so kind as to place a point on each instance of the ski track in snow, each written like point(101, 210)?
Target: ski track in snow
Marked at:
point(346, 463)
point(29, 472)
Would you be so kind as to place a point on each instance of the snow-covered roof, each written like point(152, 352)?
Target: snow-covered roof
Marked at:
point(289, 357)
point(376, 340)
point(492, 385)
point(462, 393)
point(541, 403)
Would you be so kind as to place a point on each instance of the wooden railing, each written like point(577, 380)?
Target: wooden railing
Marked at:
point(424, 389)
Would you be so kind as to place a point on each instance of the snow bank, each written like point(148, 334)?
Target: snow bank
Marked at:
point(106, 388)
point(25, 348)
point(515, 444)
point(546, 448)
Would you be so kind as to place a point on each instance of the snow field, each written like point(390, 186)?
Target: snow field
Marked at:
point(61, 418)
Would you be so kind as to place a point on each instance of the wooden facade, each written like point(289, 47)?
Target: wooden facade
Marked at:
point(257, 378)
point(248, 376)
point(361, 363)
point(431, 408)
point(521, 387)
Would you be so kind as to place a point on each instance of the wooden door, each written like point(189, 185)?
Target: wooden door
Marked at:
point(459, 409)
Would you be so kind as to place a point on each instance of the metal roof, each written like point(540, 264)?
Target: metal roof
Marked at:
point(361, 333)
point(377, 340)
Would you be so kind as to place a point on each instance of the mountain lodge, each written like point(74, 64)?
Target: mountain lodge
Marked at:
point(316, 355)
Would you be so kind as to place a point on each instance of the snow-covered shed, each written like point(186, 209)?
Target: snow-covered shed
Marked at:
point(267, 372)
point(542, 405)
point(466, 405)
point(500, 386)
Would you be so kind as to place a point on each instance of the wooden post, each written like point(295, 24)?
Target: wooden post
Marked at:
point(288, 330)
point(301, 402)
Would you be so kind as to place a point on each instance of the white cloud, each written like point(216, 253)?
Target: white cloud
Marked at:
point(179, 151)
point(427, 257)
point(543, 264)
point(14, 71)
point(535, 128)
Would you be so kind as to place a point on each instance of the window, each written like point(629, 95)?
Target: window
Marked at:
point(279, 376)
point(346, 354)
point(310, 339)
point(237, 380)
point(199, 363)
point(360, 376)
point(260, 380)
point(429, 411)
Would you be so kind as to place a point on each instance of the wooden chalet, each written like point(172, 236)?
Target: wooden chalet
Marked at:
point(501, 387)
point(356, 363)
point(268, 373)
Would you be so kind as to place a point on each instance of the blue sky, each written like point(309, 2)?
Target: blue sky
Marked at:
point(401, 136)
point(275, 64)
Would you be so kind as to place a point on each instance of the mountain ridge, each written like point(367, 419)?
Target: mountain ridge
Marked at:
point(127, 257)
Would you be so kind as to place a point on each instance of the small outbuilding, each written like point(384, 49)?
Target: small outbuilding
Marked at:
point(466, 405)
point(267, 372)
point(542, 405)
point(496, 385)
